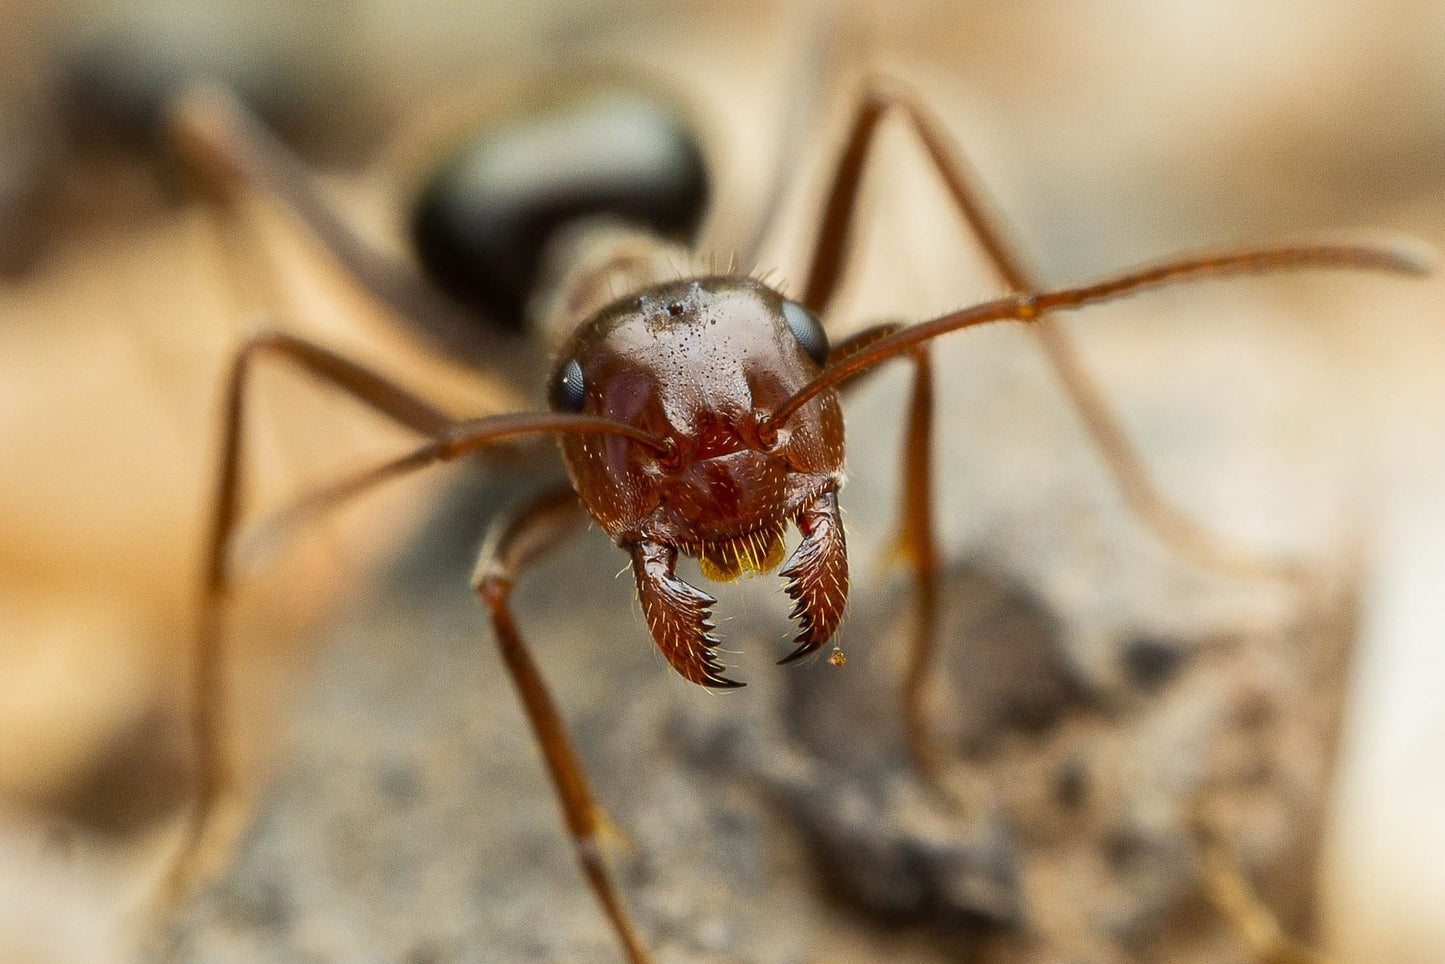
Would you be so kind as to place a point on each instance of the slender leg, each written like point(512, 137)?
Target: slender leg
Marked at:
point(857, 355)
point(224, 148)
point(916, 531)
point(914, 545)
point(448, 439)
point(868, 348)
point(512, 545)
point(823, 279)
point(215, 779)
point(917, 548)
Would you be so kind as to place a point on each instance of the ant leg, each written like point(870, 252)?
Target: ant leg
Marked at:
point(914, 544)
point(513, 544)
point(1167, 522)
point(870, 347)
point(448, 439)
point(224, 148)
point(215, 779)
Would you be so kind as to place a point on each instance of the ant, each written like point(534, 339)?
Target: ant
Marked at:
point(697, 416)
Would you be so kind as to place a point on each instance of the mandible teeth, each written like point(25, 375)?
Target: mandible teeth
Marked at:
point(817, 575)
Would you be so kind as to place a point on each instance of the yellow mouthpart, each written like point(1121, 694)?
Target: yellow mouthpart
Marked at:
point(760, 551)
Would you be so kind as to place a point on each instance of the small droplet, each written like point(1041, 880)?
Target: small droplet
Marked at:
point(836, 658)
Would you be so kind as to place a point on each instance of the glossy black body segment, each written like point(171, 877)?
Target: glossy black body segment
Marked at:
point(483, 222)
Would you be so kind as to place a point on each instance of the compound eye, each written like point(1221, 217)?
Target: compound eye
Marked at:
point(806, 328)
point(569, 390)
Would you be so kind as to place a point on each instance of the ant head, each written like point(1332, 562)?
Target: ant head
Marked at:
point(702, 364)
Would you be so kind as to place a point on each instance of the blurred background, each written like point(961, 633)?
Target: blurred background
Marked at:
point(1297, 414)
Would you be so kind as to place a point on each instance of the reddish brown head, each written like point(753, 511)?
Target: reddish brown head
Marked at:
point(703, 364)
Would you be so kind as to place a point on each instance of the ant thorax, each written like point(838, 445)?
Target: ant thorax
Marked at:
point(590, 263)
